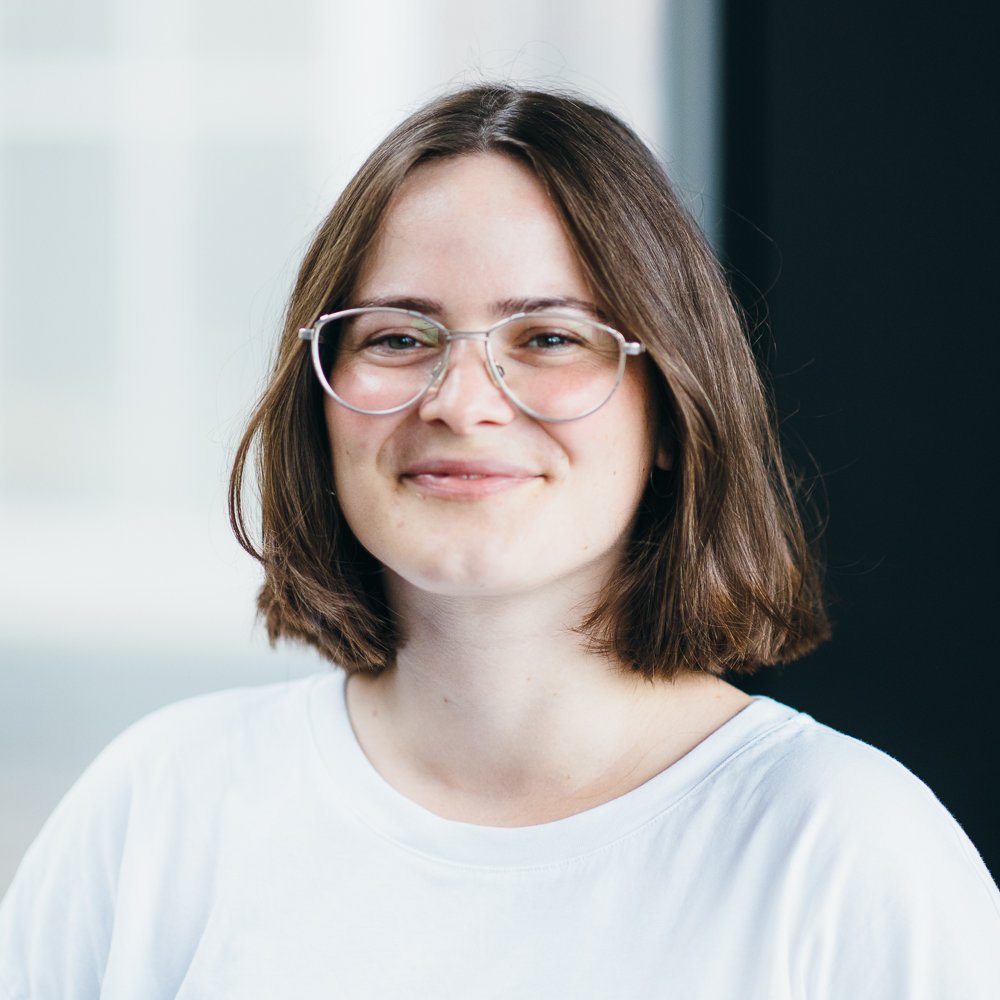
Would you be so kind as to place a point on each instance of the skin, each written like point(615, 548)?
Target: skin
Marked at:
point(495, 712)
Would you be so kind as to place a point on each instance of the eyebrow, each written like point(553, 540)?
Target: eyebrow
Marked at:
point(502, 308)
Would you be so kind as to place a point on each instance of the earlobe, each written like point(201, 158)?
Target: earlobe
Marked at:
point(664, 458)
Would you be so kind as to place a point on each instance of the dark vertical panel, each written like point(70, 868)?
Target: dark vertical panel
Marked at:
point(858, 195)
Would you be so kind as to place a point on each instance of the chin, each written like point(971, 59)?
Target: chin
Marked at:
point(501, 573)
point(469, 577)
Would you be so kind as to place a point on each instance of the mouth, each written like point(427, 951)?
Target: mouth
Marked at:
point(466, 480)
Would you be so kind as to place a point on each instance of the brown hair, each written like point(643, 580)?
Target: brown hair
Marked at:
point(719, 575)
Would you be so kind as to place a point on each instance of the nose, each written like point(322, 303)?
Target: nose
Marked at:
point(466, 395)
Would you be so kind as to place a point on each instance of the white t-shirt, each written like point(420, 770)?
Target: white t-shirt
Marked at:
point(240, 845)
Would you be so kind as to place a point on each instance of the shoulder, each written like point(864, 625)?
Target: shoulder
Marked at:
point(818, 762)
point(211, 726)
point(848, 784)
point(199, 715)
point(844, 792)
point(146, 826)
point(866, 862)
point(186, 753)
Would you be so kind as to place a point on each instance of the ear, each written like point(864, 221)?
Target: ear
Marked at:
point(664, 458)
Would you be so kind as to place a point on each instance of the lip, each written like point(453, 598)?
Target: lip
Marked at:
point(466, 479)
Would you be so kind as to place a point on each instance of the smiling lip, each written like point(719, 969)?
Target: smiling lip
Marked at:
point(466, 480)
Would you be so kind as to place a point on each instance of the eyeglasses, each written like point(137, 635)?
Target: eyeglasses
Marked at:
point(553, 366)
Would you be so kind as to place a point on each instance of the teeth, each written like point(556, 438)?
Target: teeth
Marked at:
point(450, 475)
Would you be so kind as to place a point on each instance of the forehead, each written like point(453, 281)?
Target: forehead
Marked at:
point(469, 231)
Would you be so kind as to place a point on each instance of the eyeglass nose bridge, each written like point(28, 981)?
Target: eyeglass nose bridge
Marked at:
point(440, 370)
point(483, 335)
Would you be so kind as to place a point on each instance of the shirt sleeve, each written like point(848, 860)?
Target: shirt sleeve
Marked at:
point(57, 917)
point(902, 904)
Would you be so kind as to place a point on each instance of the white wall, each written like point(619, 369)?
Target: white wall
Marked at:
point(162, 165)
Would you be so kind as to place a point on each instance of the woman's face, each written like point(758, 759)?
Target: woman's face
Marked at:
point(463, 494)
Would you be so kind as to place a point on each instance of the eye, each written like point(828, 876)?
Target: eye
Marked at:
point(379, 337)
point(550, 339)
point(554, 341)
point(390, 341)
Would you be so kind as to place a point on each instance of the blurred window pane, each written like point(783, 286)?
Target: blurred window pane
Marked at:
point(56, 26)
point(56, 350)
point(238, 28)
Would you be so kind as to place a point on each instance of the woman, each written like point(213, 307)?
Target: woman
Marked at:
point(518, 480)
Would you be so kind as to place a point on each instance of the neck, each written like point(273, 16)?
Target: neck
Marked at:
point(496, 709)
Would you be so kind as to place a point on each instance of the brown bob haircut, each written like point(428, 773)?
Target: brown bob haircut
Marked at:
point(719, 574)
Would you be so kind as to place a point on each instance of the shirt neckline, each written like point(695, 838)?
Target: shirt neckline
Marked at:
point(411, 827)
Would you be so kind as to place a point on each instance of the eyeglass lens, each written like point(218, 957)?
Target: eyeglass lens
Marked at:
point(553, 365)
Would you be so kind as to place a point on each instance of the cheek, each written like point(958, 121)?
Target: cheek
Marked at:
point(611, 464)
point(352, 446)
point(623, 440)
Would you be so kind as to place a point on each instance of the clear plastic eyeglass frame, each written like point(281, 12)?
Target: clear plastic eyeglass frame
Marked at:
point(314, 334)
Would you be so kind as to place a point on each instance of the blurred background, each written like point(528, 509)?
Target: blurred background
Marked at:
point(162, 166)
